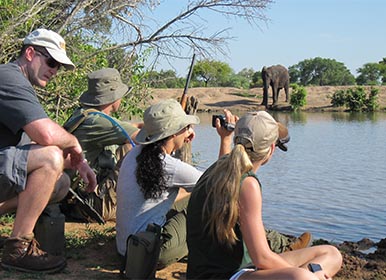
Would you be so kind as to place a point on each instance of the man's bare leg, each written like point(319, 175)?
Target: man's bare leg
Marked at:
point(45, 165)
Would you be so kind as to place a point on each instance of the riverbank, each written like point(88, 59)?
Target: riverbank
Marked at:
point(216, 99)
point(91, 254)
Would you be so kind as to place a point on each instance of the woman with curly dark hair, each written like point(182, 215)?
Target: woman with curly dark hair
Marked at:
point(153, 186)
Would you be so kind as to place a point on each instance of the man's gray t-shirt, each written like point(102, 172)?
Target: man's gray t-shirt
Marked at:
point(134, 213)
point(19, 104)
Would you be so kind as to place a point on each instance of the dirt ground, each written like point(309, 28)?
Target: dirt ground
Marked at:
point(91, 252)
point(216, 99)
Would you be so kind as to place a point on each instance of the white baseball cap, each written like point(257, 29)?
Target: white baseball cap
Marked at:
point(53, 43)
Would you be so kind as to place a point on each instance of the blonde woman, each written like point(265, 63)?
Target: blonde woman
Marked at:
point(223, 214)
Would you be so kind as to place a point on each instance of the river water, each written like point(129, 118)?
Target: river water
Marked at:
point(330, 182)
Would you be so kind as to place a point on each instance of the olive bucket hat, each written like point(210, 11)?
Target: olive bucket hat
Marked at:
point(104, 86)
point(162, 120)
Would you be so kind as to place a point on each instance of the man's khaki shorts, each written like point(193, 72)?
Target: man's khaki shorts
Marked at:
point(13, 171)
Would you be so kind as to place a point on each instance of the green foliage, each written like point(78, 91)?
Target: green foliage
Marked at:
point(298, 96)
point(237, 81)
point(169, 79)
point(382, 70)
point(132, 103)
point(369, 74)
point(321, 72)
point(164, 79)
point(243, 79)
point(372, 100)
point(257, 80)
point(6, 220)
point(338, 98)
point(212, 73)
point(88, 44)
point(356, 99)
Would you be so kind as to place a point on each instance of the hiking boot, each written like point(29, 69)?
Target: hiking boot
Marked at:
point(23, 254)
point(303, 241)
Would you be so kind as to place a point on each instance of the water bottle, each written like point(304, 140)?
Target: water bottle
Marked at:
point(49, 230)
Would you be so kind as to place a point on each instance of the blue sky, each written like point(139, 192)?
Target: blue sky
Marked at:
point(350, 31)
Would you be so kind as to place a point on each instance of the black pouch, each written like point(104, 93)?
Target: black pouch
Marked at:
point(142, 253)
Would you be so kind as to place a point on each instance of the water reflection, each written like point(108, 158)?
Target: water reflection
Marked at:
point(329, 182)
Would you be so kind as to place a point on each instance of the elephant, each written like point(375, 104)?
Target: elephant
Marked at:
point(277, 77)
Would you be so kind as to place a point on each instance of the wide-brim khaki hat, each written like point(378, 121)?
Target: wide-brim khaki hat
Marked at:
point(162, 120)
point(261, 130)
point(53, 43)
point(104, 87)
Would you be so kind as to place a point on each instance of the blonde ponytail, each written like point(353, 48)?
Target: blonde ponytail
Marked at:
point(223, 186)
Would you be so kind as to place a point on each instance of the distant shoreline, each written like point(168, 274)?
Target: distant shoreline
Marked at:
point(214, 99)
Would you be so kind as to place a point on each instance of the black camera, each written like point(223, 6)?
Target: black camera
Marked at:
point(223, 122)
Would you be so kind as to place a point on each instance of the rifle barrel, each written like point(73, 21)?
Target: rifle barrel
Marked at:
point(185, 93)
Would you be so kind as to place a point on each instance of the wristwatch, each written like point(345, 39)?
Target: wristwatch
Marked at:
point(314, 267)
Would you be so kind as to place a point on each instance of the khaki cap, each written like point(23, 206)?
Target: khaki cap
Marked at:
point(261, 130)
point(162, 120)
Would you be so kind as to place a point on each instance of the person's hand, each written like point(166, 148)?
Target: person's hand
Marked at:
point(191, 136)
point(74, 154)
point(229, 118)
point(225, 134)
point(88, 175)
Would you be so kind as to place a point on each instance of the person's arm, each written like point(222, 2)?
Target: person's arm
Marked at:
point(137, 125)
point(252, 227)
point(181, 173)
point(225, 135)
point(46, 132)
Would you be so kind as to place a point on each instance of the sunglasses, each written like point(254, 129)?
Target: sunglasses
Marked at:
point(52, 63)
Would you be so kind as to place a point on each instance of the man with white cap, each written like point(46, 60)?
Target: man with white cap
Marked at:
point(31, 173)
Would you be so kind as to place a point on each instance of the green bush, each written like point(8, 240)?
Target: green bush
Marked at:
point(356, 99)
point(338, 98)
point(372, 102)
point(298, 96)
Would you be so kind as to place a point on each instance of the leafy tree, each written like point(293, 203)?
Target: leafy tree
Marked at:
point(321, 72)
point(382, 70)
point(116, 34)
point(257, 80)
point(211, 72)
point(294, 73)
point(244, 78)
point(164, 79)
point(369, 74)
